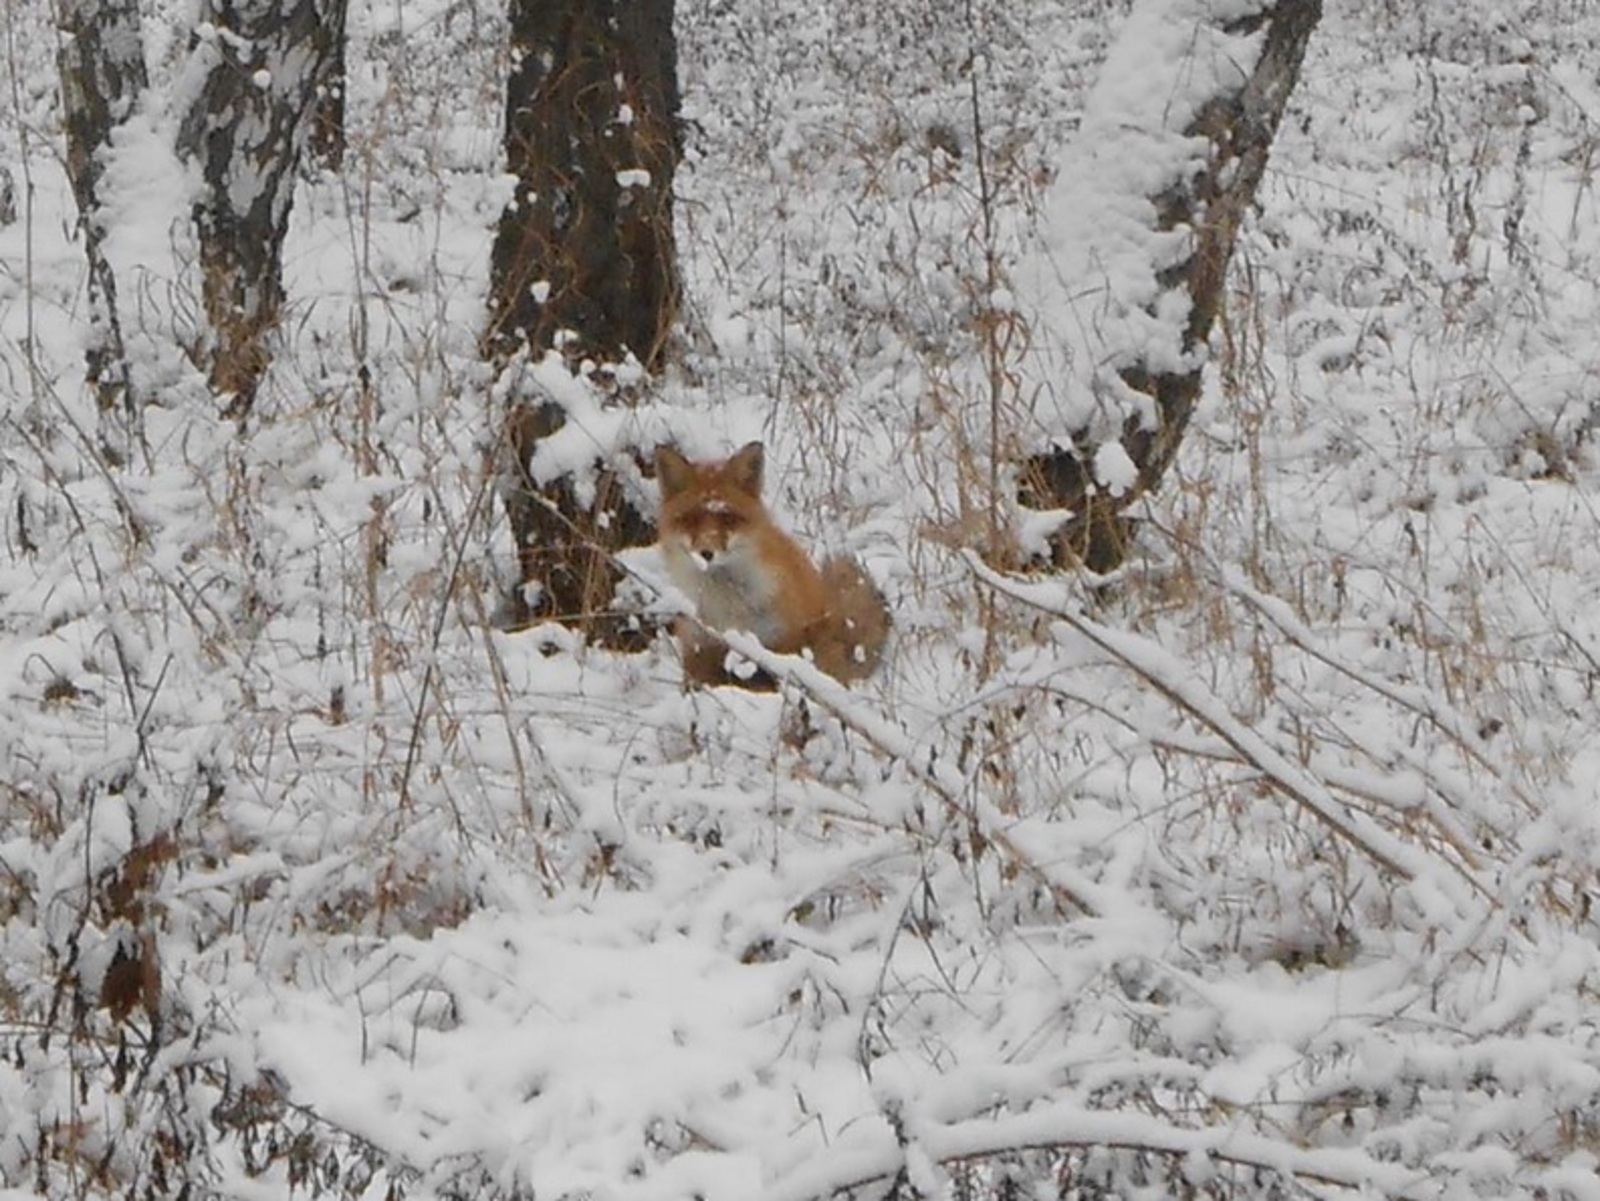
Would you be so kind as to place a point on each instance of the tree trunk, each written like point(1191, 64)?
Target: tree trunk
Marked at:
point(586, 244)
point(1204, 195)
point(584, 263)
point(328, 139)
point(248, 128)
point(101, 60)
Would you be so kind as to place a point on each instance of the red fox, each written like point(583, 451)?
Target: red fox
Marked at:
point(728, 556)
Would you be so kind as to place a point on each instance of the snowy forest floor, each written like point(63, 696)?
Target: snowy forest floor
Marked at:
point(1264, 867)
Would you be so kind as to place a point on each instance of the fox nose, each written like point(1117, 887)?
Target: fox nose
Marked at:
point(706, 556)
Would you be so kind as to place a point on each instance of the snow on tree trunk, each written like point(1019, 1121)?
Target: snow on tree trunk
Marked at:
point(584, 266)
point(102, 67)
point(1139, 231)
point(263, 61)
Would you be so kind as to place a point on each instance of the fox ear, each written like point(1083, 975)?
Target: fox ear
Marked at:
point(672, 471)
point(745, 467)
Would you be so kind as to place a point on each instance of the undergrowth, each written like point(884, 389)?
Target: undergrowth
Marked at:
point(1262, 867)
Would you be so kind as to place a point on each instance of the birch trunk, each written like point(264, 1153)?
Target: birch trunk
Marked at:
point(248, 129)
point(101, 61)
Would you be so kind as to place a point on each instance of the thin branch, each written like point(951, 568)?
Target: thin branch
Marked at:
point(954, 789)
point(1151, 663)
point(1070, 1127)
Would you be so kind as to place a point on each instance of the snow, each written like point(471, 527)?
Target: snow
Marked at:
point(1114, 469)
point(1264, 864)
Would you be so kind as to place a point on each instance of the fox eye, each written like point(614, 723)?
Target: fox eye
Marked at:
point(718, 521)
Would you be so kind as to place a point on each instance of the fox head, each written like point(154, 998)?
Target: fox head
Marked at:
point(707, 507)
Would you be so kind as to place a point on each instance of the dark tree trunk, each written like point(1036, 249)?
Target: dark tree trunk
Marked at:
point(1239, 128)
point(586, 245)
point(584, 263)
point(566, 544)
point(101, 60)
point(327, 118)
point(248, 130)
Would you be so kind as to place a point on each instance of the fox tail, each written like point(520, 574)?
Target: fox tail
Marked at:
point(851, 647)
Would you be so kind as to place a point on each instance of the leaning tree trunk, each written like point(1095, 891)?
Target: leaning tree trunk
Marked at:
point(101, 60)
point(264, 61)
point(1139, 239)
point(584, 265)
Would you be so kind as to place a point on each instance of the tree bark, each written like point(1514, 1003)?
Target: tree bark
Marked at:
point(584, 258)
point(101, 60)
point(248, 129)
point(1209, 200)
point(584, 264)
point(328, 137)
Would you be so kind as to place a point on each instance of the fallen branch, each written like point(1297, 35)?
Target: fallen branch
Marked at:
point(1152, 664)
point(955, 790)
point(1070, 1127)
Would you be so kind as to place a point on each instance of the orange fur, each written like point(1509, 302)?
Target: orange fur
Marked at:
point(728, 556)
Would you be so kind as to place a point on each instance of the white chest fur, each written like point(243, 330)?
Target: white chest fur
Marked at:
point(731, 592)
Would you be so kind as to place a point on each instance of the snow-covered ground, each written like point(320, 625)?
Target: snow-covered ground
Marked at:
point(1263, 868)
